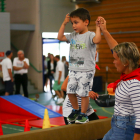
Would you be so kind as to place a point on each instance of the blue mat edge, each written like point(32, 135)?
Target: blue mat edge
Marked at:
point(27, 109)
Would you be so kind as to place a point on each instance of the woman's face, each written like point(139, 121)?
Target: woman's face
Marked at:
point(118, 64)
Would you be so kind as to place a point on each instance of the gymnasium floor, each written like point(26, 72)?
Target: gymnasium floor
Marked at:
point(46, 99)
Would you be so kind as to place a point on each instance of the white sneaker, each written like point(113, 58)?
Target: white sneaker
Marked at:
point(60, 101)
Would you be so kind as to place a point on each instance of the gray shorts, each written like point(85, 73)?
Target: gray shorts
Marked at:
point(80, 83)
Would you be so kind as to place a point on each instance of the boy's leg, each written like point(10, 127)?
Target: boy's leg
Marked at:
point(71, 91)
point(76, 111)
point(73, 100)
point(66, 121)
point(82, 118)
point(84, 85)
point(85, 104)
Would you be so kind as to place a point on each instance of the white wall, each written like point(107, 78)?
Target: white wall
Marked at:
point(52, 14)
point(28, 12)
point(4, 32)
point(45, 14)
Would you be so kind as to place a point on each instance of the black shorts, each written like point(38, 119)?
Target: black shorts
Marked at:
point(9, 86)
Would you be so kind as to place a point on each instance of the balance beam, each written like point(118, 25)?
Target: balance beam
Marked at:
point(92, 130)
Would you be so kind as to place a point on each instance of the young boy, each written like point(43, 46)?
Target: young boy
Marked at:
point(82, 61)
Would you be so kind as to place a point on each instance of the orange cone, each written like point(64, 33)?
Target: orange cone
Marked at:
point(1, 132)
point(27, 127)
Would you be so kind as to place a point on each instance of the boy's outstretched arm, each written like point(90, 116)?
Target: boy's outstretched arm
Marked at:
point(61, 35)
point(97, 38)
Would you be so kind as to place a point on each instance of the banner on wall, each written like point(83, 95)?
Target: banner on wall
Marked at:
point(2, 54)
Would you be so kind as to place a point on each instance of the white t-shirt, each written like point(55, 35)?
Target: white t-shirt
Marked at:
point(6, 64)
point(60, 67)
point(18, 63)
point(82, 51)
point(52, 66)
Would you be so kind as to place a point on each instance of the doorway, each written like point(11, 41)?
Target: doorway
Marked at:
point(53, 46)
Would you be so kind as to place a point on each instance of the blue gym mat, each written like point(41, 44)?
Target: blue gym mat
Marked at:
point(30, 106)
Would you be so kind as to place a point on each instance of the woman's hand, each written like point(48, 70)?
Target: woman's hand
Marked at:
point(93, 95)
point(102, 24)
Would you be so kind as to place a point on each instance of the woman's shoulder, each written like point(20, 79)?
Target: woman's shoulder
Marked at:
point(130, 83)
point(133, 83)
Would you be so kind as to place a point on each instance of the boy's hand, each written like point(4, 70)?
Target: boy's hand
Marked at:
point(101, 22)
point(67, 19)
point(97, 22)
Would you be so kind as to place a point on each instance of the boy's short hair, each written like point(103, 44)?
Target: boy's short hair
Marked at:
point(82, 13)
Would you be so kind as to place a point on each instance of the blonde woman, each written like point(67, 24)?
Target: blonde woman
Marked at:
point(126, 119)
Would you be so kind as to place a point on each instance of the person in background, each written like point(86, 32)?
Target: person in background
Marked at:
point(48, 57)
point(46, 61)
point(44, 70)
point(59, 79)
point(66, 65)
point(6, 66)
point(51, 69)
point(20, 66)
